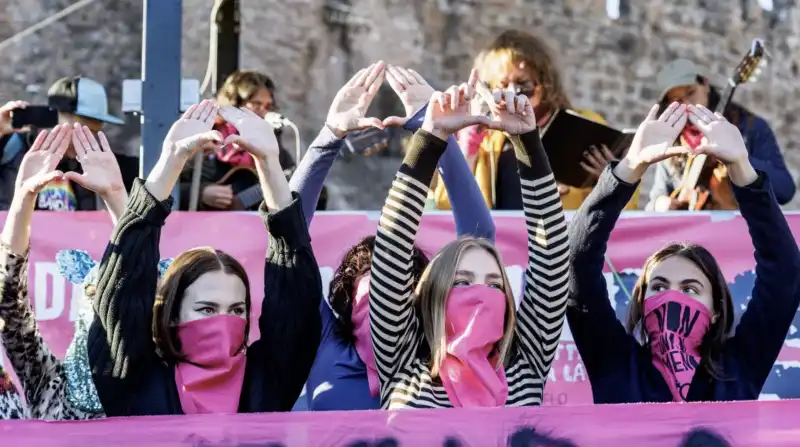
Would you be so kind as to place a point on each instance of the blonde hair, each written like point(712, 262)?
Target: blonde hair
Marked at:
point(430, 300)
point(512, 48)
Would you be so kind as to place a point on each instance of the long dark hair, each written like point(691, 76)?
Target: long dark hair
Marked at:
point(355, 264)
point(183, 272)
point(720, 329)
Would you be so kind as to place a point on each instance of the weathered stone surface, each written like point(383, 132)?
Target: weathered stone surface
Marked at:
point(609, 65)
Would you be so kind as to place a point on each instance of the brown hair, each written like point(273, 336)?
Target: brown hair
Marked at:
point(242, 85)
point(430, 299)
point(355, 264)
point(515, 47)
point(720, 329)
point(183, 272)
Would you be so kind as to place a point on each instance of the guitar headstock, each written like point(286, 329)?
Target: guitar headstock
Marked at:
point(751, 65)
point(368, 141)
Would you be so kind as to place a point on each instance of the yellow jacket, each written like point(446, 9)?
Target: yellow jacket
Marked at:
point(485, 174)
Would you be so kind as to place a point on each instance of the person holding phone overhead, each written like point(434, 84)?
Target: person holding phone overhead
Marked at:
point(180, 345)
point(678, 343)
point(456, 339)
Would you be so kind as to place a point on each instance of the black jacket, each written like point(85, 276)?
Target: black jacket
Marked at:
point(131, 380)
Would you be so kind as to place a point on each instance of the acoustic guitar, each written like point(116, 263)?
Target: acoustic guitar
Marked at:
point(244, 181)
point(705, 185)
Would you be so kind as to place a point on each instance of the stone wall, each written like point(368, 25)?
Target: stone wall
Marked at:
point(609, 65)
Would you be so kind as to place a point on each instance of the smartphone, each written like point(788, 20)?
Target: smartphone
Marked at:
point(42, 117)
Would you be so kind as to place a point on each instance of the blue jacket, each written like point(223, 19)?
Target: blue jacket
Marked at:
point(620, 370)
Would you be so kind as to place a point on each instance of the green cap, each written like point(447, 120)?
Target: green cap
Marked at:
point(678, 73)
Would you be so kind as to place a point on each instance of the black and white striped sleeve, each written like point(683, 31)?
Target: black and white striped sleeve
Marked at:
point(541, 314)
point(392, 320)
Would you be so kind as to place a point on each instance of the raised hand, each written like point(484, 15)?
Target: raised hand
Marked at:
point(38, 166)
point(510, 113)
point(412, 89)
point(723, 140)
point(349, 107)
point(101, 172)
point(654, 140)
point(256, 135)
point(450, 111)
point(193, 131)
point(5, 117)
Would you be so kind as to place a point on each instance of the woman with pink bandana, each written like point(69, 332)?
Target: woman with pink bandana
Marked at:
point(679, 343)
point(344, 376)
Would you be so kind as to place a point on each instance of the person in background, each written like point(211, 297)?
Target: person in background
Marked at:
point(525, 63)
point(343, 376)
point(78, 100)
point(679, 343)
point(456, 339)
point(50, 392)
point(682, 81)
point(243, 88)
point(180, 345)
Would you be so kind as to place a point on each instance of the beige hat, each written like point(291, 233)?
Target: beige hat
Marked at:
point(677, 73)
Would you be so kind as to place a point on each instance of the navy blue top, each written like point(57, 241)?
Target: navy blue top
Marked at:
point(620, 370)
point(338, 378)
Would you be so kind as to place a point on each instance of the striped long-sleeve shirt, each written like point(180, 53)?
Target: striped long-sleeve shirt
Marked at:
point(396, 330)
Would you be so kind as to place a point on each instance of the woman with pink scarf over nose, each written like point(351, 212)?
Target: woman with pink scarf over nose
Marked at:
point(679, 343)
point(344, 376)
point(179, 344)
point(455, 339)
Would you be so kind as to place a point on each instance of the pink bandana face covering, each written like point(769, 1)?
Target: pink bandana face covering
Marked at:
point(474, 323)
point(210, 381)
point(360, 318)
point(470, 139)
point(676, 324)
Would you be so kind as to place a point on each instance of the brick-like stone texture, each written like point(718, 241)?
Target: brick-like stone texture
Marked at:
point(311, 47)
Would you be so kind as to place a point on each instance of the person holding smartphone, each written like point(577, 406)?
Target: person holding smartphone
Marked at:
point(70, 100)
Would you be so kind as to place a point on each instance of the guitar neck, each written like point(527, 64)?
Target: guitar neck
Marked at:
point(726, 96)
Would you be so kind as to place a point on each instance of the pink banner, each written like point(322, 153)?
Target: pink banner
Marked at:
point(243, 236)
point(763, 424)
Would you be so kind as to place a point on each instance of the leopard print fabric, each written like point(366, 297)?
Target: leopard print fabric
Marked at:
point(40, 372)
point(11, 406)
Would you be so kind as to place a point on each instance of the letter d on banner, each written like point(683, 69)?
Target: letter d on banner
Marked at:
point(46, 273)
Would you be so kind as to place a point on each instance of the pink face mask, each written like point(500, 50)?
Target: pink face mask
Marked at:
point(474, 323)
point(360, 318)
point(676, 324)
point(470, 139)
point(210, 380)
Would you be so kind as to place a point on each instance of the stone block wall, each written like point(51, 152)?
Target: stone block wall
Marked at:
point(311, 47)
